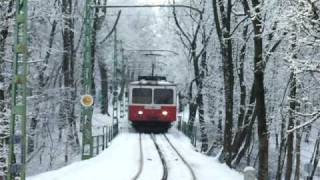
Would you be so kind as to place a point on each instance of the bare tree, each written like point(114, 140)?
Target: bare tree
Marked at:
point(5, 17)
point(222, 19)
point(68, 60)
point(198, 58)
point(256, 19)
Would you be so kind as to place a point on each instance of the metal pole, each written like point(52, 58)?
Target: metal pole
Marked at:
point(18, 95)
point(115, 116)
point(123, 80)
point(86, 114)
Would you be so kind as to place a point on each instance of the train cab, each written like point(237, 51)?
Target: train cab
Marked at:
point(152, 103)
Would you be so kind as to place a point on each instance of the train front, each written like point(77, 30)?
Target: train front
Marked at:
point(152, 104)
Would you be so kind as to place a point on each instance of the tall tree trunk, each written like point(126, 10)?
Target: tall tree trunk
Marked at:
point(66, 109)
point(104, 88)
point(298, 149)
point(242, 126)
point(4, 120)
point(223, 27)
point(260, 94)
point(193, 106)
point(201, 76)
point(243, 93)
point(102, 69)
point(246, 132)
point(282, 149)
point(259, 86)
point(314, 161)
point(292, 105)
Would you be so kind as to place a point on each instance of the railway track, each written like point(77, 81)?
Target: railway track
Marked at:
point(162, 157)
point(192, 174)
point(140, 160)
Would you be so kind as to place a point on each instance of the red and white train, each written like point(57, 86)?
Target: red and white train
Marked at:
point(152, 103)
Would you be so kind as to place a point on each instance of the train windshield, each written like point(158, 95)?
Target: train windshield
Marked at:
point(163, 96)
point(141, 96)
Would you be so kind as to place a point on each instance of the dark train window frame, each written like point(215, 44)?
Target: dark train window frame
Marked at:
point(162, 102)
point(133, 97)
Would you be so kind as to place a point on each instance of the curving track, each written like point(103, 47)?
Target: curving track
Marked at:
point(162, 156)
point(140, 160)
point(191, 172)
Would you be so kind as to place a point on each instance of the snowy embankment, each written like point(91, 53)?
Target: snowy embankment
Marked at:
point(121, 161)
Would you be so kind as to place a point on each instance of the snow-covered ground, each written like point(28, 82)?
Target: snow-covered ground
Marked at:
point(121, 161)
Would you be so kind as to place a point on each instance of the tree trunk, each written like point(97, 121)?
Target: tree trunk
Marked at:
point(223, 26)
point(66, 109)
point(104, 88)
point(314, 159)
point(192, 109)
point(282, 150)
point(4, 120)
point(192, 115)
point(292, 104)
point(246, 128)
point(242, 126)
point(201, 75)
point(260, 96)
point(298, 149)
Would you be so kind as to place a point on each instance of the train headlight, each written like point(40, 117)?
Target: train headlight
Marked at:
point(140, 112)
point(165, 113)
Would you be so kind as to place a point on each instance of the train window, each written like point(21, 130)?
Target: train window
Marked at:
point(141, 96)
point(163, 96)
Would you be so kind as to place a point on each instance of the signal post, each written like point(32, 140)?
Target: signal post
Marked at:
point(87, 99)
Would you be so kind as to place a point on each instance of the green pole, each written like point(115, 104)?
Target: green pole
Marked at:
point(16, 167)
point(86, 114)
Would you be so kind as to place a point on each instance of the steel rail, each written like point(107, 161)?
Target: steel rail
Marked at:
point(140, 160)
point(181, 157)
point(148, 6)
point(163, 161)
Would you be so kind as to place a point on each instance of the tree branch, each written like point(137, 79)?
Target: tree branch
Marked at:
point(113, 28)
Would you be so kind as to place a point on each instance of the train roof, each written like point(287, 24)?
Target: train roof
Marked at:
point(153, 83)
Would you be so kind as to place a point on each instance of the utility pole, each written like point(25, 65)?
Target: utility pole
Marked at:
point(16, 167)
point(86, 111)
point(123, 83)
point(115, 112)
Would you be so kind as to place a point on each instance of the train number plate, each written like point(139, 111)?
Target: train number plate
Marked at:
point(152, 107)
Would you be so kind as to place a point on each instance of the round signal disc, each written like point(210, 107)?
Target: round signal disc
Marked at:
point(87, 100)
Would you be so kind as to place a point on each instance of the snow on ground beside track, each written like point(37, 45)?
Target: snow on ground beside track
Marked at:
point(118, 162)
point(205, 168)
point(121, 161)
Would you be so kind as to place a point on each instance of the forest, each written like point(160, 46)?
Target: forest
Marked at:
point(247, 73)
